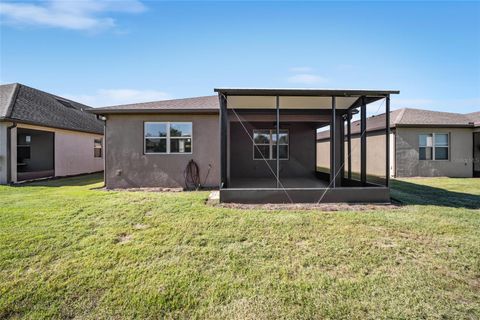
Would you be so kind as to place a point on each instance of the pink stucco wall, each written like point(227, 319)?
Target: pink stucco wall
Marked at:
point(74, 153)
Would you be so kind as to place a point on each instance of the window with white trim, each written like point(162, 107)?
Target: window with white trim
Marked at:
point(97, 148)
point(265, 144)
point(168, 137)
point(433, 146)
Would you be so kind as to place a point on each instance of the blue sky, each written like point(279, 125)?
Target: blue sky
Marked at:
point(113, 52)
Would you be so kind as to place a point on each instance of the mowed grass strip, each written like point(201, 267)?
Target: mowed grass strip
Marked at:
point(71, 250)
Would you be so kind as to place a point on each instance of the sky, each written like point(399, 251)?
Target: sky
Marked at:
point(115, 52)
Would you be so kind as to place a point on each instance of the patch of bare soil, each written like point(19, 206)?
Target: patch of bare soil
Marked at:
point(148, 214)
point(140, 226)
point(123, 238)
point(312, 206)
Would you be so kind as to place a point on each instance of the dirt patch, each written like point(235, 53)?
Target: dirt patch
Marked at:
point(148, 214)
point(140, 226)
point(311, 206)
point(123, 238)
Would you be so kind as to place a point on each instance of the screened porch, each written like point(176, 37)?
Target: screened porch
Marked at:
point(269, 146)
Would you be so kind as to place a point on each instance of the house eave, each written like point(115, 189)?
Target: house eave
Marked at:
point(152, 111)
point(305, 92)
point(33, 123)
point(434, 125)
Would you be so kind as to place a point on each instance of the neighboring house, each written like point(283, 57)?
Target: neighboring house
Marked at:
point(232, 138)
point(422, 143)
point(43, 135)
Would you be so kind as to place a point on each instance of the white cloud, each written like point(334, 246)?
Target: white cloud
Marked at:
point(74, 15)
point(306, 78)
point(109, 97)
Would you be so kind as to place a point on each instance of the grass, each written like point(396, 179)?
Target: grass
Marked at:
point(68, 250)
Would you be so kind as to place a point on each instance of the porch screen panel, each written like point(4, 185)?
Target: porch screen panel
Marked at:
point(323, 150)
point(355, 152)
point(251, 150)
point(376, 144)
point(297, 148)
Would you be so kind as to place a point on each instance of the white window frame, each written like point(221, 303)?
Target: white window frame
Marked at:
point(271, 144)
point(434, 142)
point(167, 138)
point(95, 147)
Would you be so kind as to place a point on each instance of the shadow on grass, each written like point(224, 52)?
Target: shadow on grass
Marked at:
point(409, 193)
point(76, 181)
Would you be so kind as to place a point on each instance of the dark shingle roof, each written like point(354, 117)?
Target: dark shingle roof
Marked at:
point(24, 104)
point(413, 117)
point(187, 105)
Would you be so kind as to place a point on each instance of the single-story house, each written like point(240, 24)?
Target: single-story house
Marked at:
point(256, 145)
point(43, 135)
point(422, 143)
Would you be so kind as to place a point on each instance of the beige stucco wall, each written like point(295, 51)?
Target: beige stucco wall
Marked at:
point(73, 151)
point(375, 154)
point(128, 166)
point(404, 159)
point(323, 156)
point(458, 165)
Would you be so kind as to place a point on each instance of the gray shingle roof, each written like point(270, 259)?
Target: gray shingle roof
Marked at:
point(193, 105)
point(413, 117)
point(25, 104)
point(474, 117)
point(428, 117)
point(7, 92)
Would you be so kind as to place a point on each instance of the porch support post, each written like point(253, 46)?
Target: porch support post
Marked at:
point(363, 142)
point(332, 144)
point(336, 134)
point(349, 143)
point(278, 135)
point(387, 141)
point(223, 141)
point(341, 146)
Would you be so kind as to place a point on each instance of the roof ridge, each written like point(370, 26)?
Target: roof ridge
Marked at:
point(54, 95)
point(436, 111)
point(25, 104)
point(13, 99)
point(399, 117)
point(156, 101)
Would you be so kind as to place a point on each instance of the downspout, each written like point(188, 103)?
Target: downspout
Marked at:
point(9, 158)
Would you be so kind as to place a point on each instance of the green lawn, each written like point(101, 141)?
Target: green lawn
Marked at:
point(69, 250)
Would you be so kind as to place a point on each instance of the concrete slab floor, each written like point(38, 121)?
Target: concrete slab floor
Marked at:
point(297, 182)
